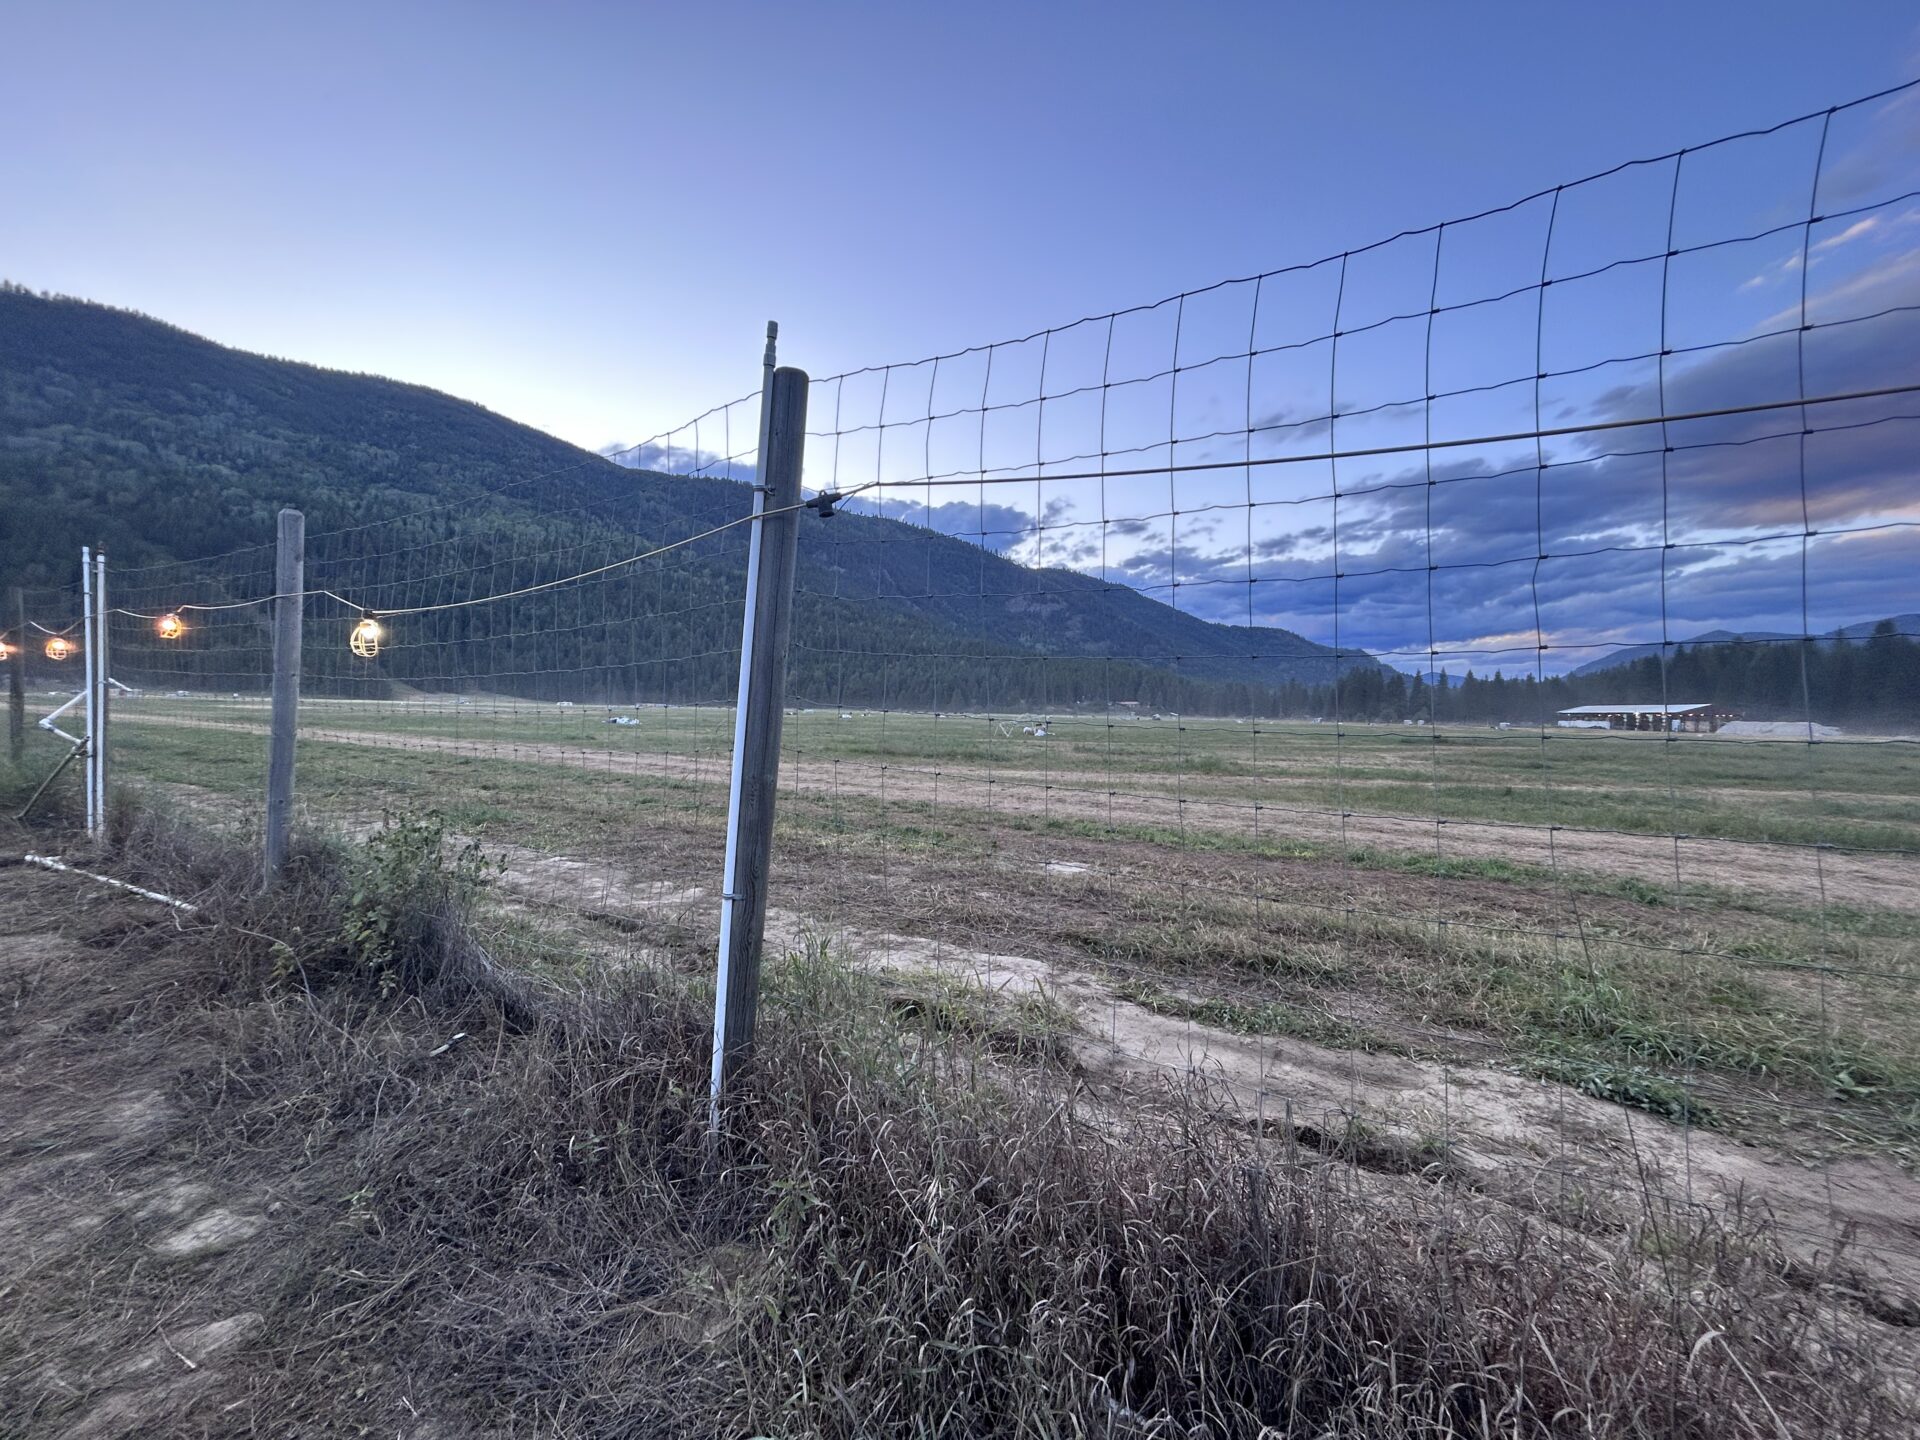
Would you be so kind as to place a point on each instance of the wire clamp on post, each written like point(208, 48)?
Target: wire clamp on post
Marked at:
point(824, 503)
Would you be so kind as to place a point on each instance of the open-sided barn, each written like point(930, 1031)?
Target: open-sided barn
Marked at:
point(1693, 718)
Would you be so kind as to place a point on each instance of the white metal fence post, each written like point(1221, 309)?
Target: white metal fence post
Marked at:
point(99, 747)
point(766, 627)
point(89, 658)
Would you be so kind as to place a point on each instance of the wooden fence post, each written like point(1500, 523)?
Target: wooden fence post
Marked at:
point(765, 631)
point(17, 676)
point(289, 580)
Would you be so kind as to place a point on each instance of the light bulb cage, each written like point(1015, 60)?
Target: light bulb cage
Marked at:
point(366, 637)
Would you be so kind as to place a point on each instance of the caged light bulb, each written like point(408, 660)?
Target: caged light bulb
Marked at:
point(169, 626)
point(365, 640)
point(59, 648)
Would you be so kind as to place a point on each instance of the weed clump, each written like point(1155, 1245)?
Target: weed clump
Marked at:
point(405, 883)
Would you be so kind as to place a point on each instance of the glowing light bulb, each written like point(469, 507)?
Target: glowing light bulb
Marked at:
point(365, 640)
point(169, 627)
point(6, 651)
point(58, 648)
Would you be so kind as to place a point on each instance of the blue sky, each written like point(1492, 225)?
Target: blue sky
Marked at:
point(581, 216)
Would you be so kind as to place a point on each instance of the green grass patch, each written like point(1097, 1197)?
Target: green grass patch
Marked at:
point(1244, 1017)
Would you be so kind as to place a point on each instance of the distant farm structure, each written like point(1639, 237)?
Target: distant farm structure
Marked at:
point(1703, 719)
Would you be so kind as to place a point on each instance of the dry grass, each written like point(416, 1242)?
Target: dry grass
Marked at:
point(523, 1231)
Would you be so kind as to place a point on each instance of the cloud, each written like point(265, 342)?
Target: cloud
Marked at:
point(995, 527)
point(678, 460)
point(1854, 231)
point(1627, 535)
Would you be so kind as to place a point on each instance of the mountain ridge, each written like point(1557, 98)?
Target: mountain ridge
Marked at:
point(126, 432)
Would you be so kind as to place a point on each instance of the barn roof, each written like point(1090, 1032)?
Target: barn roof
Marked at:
point(1633, 709)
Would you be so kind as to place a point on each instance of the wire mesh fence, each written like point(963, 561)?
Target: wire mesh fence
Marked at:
point(1315, 685)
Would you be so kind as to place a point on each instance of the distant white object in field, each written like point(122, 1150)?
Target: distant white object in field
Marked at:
point(621, 720)
point(846, 715)
point(1026, 729)
point(1040, 731)
point(1780, 730)
point(563, 704)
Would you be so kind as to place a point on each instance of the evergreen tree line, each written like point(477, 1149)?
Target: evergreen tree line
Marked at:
point(1873, 683)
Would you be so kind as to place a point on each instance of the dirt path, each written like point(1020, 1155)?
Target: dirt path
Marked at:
point(92, 1182)
point(1799, 874)
point(1535, 1143)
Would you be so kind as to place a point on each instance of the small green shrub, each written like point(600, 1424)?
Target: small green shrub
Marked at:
point(407, 879)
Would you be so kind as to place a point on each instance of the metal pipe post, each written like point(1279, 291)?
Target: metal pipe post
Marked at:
point(87, 660)
point(101, 750)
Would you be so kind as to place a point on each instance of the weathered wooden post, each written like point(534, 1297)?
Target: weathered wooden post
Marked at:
point(289, 581)
point(765, 631)
point(17, 676)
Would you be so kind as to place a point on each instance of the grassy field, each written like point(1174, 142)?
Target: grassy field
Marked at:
point(1864, 795)
point(1271, 881)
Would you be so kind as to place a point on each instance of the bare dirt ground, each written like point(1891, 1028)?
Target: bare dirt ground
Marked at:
point(96, 1187)
point(1796, 873)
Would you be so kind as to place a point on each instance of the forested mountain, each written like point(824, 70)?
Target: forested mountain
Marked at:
point(120, 431)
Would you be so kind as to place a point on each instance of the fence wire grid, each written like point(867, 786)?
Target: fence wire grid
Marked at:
point(1191, 677)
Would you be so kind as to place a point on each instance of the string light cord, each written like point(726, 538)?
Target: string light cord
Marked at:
point(231, 605)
